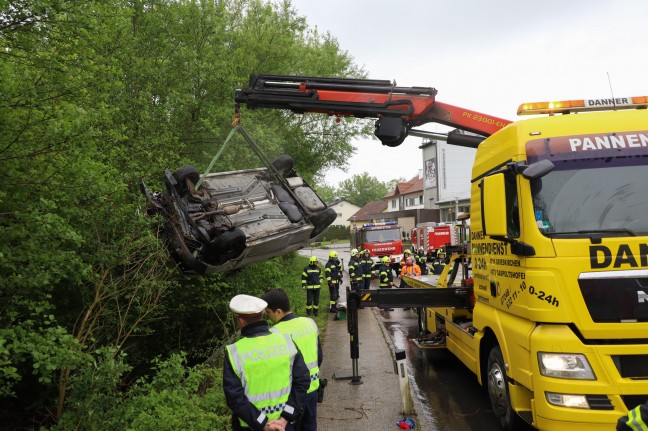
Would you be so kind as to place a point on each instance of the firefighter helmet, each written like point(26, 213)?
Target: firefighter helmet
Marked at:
point(312, 259)
point(333, 254)
point(354, 252)
point(366, 250)
point(385, 259)
point(408, 251)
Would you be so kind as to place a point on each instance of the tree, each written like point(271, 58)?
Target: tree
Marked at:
point(362, 188)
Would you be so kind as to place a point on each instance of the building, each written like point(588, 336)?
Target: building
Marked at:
point(404, 205)
point(446, 179)
point(372, 212)
point(344, 210)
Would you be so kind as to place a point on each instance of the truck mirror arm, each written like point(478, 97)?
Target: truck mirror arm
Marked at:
point(518, 248)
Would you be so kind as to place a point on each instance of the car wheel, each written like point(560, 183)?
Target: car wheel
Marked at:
point(284, 164)
point(186, 173)
point(228, 245)
point(498, 391)
point(322, 220)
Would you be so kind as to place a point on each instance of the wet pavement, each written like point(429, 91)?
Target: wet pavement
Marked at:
point(446, 395)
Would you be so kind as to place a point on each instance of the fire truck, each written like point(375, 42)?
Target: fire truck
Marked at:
point(554, 316)
point(433, 236)
point(381, 239)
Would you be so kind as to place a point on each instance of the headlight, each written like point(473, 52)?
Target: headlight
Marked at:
point(565, 366)
point(567, 400)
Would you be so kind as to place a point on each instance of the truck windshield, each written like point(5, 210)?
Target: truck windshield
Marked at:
point(584, 197)
point(382, 235)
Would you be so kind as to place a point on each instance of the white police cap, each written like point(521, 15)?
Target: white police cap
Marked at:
point(246, 304)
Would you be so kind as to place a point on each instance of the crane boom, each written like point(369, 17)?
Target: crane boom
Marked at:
point(397, 109)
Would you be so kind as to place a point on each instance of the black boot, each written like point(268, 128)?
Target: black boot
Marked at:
point(315, 312)
point(308, 312)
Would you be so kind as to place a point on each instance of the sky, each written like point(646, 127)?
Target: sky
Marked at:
point(488, 56)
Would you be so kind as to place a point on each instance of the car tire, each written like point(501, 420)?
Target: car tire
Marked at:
point(186, 173)
point(498, 391)
point(228, 245)
point(284, 164)
point(322, 220)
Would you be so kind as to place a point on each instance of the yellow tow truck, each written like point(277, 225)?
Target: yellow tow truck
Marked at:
point(556, 324)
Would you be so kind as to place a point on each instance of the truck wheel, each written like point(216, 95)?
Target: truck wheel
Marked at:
point(284, 164)
point(498, 391)
point(322, 220)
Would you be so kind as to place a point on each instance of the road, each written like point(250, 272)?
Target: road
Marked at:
point(451, 397)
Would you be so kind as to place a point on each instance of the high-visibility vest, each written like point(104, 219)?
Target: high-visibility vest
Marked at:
point(304, 333)
point(264, 365)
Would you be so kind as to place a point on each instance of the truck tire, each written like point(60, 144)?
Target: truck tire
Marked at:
point(284, 164)
point(498, 391)
point(322, 221)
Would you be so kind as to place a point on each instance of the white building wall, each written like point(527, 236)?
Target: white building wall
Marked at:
point(344, 210)
point(454, 171)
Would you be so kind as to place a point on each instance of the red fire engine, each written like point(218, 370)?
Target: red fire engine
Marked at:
point(381, 239)
point(432, 236)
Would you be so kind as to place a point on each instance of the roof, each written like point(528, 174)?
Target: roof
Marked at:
point(414, 185)
point(367, 211)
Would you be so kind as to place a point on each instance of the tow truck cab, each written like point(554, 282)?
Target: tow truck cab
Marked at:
point(559, 245)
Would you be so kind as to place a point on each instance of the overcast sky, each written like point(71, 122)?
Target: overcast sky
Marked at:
point(485, 56)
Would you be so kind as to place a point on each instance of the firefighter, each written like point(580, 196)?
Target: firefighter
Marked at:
point(421, 260)
point(407, 253)
point(305, 334)
point(410, 268)
point(439, 263)
point(635, 420)
point(264, 392)
point(355, 271)
point(311, 282)
point(385, 276)
point(367, 269)
point(333, 271)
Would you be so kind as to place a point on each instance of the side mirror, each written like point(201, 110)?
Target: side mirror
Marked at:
point(493, 200)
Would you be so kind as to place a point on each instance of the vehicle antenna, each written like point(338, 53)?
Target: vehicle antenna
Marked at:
point(611, 91)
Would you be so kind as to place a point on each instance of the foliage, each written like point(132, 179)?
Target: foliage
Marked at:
point(95, 96)
point(336, 232)
point(362, 188)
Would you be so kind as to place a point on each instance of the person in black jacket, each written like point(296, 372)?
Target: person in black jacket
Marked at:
point(635, 420)
point(311, 282)
point(266, 411)
point(367, 269)
point(333, 271)
point(355, 271)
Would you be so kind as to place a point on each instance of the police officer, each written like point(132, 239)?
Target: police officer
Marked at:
point(355, 271)
point(304, 333)
point(264, 374)
point(311, 282)
point(421, 260)
point(385, 276)
point(367, 269)
point(333, 271)
point(635, 420)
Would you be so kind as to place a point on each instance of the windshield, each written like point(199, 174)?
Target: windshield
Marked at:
point(382, 235)
point(596, 189)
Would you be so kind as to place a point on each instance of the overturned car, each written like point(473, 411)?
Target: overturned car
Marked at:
point(236, 218)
